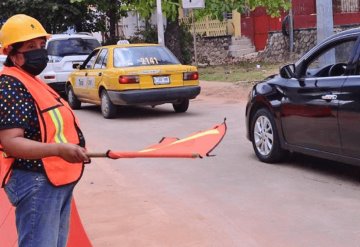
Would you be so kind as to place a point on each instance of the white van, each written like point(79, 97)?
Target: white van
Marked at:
point(65, 51)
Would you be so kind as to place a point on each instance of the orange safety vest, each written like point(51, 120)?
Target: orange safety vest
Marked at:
point(58, 124)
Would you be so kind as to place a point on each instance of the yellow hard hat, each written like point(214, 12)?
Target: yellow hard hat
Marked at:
point(20, 28)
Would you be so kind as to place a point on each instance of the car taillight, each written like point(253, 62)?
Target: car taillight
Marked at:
point(129, 79)
point(191, 76)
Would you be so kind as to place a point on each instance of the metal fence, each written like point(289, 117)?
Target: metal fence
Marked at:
point(208, 27)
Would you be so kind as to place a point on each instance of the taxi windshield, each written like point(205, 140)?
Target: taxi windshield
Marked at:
point(143, 56)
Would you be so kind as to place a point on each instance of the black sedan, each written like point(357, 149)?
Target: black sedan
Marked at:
point(312, 106)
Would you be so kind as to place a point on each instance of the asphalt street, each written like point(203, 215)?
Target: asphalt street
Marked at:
point(230, 199)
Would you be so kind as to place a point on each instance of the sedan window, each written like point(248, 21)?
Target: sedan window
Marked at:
point(332, 61)
point(89, 62)
point(101, 60)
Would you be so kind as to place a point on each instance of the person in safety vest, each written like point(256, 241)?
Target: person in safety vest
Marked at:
point(42, 150)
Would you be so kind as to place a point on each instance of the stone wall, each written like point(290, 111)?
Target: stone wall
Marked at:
point(277, 48)
point(213, 50)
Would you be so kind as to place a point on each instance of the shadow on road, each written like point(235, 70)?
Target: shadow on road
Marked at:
point(320, 166)
point(326, 167)
point(131, 112)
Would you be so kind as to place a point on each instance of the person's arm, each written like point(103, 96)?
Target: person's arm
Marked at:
point(17, 146)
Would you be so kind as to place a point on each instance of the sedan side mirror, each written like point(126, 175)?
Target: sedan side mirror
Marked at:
point(288, 71)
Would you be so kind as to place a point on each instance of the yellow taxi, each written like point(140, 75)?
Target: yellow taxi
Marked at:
point(132, 74)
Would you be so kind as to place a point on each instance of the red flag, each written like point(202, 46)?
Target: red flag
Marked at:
point(198, 144)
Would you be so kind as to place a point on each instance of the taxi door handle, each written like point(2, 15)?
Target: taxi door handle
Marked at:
point(100, 74)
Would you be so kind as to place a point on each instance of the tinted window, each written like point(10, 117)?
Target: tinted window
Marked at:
point(71, 46)
point(143, 56)
point(339, 53)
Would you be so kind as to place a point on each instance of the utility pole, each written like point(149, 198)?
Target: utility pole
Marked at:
point(291, 31)
point(325, 26)
point(193, 4)
point(160, 24)
point(194, 36)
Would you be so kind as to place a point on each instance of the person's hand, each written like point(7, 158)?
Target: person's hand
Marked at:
point(72, 153)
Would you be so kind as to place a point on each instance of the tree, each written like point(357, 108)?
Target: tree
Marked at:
point(55, 15)
point(216, 8)
point(213, 8)
point(108, 14)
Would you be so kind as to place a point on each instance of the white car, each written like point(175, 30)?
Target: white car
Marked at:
point(2, 60)
point(66, 51)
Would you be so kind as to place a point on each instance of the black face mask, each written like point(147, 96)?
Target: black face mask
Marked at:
point(35, 61)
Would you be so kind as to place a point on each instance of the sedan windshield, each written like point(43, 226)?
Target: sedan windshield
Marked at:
point(143, 56)
point(71, 46)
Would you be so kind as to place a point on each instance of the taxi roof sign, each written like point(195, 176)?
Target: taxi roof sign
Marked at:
point(123, 42)
point(193, 4)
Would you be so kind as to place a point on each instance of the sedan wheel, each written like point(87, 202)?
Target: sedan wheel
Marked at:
point(265, 139)
point(72, 99)
point(263, 135)
point(108, 109)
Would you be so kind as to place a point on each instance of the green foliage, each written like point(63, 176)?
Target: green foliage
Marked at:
point(216, 8)
point(213, 8)
point(55, 15)
point(147, 34)
point(108, 13)
point(146, 7)
point(186, 44)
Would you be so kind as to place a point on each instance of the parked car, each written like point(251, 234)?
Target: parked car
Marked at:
point(132, 74)
point(2, 60)
point(312, 106)
point(64, 51)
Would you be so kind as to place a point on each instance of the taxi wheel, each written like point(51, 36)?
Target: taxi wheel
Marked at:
point(182, 106)
point(108, 109)
point(72, 99)
point(265, 138)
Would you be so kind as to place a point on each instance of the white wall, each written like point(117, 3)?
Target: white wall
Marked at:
point(132, 23)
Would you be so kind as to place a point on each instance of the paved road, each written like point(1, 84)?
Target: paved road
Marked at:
point(229, 200)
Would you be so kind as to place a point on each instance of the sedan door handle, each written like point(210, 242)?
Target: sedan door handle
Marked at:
point(329, 97)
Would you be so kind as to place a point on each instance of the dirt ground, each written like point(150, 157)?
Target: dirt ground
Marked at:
point(232, 92)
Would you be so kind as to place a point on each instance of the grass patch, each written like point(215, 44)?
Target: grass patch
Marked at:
point(242, 72)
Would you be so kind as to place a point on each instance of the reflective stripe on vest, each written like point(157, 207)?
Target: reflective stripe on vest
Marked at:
point(57, 123)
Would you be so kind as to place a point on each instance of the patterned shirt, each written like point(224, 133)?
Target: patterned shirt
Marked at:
point(17, 110)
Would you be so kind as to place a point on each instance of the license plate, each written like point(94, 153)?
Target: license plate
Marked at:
point(161, 80)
